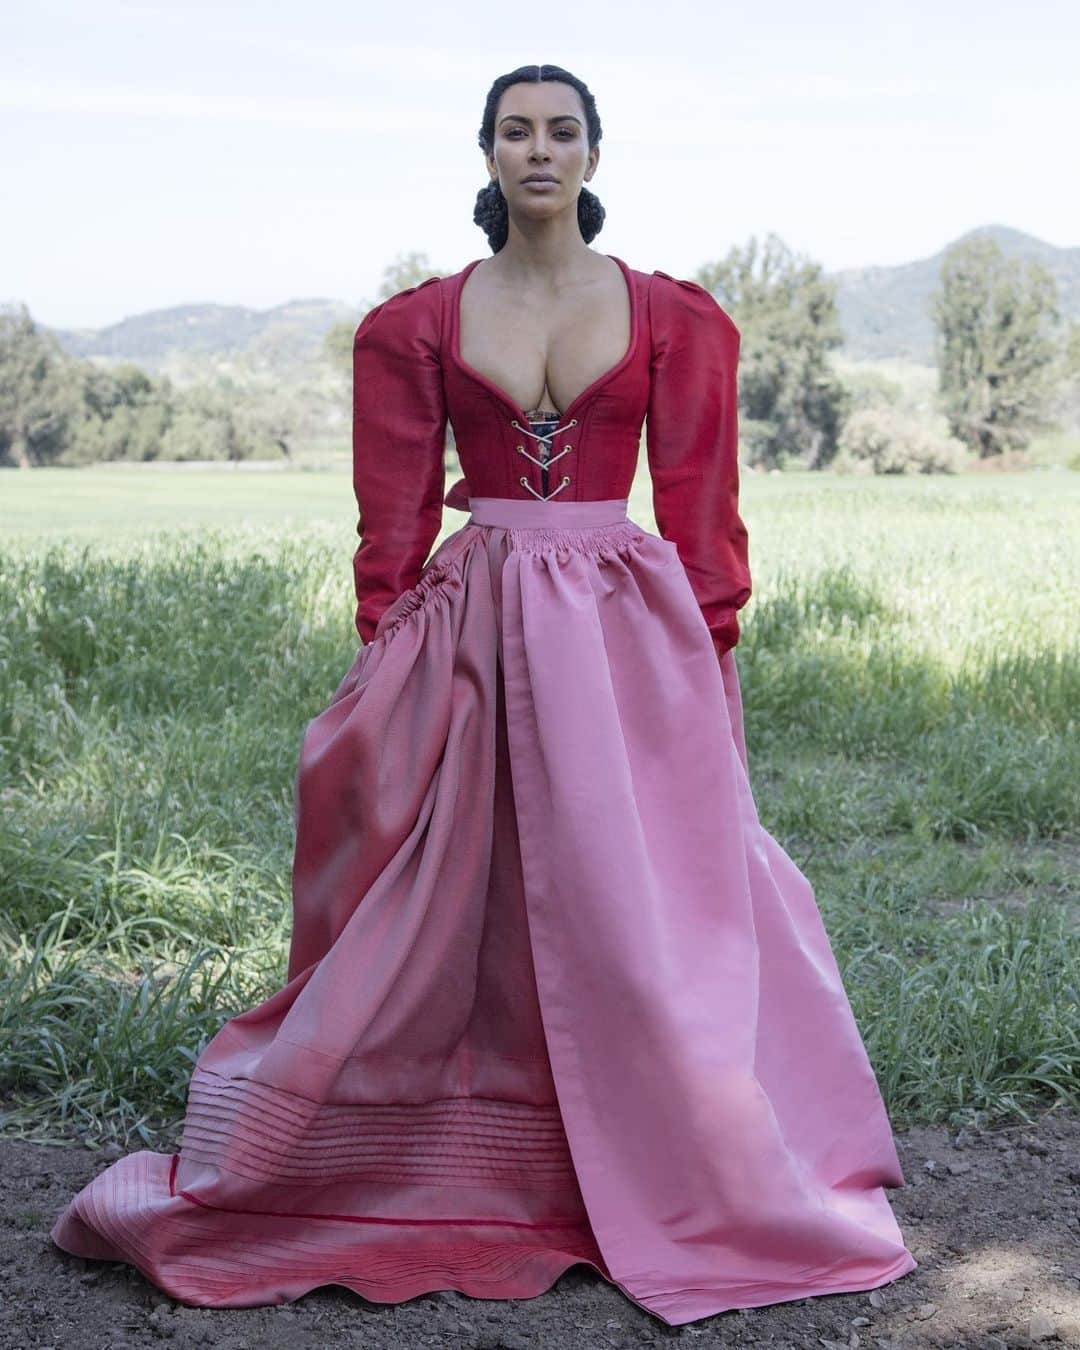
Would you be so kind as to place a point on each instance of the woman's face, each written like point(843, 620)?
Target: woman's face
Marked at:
point(540, 130)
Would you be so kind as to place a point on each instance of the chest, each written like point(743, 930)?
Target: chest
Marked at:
point(543, 353)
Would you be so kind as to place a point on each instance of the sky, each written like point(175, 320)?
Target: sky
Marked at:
point(167, 154)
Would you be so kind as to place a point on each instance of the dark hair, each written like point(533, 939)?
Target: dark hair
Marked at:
point(491, 212)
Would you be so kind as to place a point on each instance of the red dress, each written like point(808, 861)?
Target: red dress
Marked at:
point(554, 993)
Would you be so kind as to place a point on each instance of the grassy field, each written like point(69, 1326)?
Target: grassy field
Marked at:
point(910, 669)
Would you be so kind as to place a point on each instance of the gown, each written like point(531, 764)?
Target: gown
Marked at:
point(554, 994)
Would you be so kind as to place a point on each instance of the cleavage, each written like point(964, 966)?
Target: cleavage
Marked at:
point(584, 350)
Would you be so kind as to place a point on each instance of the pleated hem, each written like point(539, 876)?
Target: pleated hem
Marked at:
point(193, 1244)
point(213, 1258)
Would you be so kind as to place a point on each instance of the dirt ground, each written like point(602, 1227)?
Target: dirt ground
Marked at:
point(992, 1217)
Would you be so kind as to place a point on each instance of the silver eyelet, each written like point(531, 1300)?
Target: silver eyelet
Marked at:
point(521, 448)
point(524, 482)
point(568, 447)
point(566, 479)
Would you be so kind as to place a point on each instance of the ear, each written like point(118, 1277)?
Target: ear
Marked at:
point(593, 160)
point(493, 172)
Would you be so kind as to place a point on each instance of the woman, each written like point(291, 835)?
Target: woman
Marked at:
point(554, 995)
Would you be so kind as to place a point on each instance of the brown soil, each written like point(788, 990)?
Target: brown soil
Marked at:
point(993, 1218)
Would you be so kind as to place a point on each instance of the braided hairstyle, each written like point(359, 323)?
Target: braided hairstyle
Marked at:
point(491, 212)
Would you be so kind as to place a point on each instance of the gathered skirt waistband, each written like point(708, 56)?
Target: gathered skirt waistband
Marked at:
point(521, 513)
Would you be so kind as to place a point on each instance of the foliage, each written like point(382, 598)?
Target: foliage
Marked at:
point(407, 269)
point(791, 403)
point(1066, 406)
point(997, 349)
point(872, 389)
point(37, 401)
point(888, 440)
point(911, 707)
point(56, 409)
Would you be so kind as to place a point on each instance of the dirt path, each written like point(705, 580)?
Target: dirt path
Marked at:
point(993, 1219)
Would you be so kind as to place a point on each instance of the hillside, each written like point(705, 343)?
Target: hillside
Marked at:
point(884, 311)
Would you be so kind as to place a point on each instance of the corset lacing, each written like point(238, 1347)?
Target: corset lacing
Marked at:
point(544, 439)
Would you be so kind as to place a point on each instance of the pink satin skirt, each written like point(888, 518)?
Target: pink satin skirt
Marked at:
point(554, 993)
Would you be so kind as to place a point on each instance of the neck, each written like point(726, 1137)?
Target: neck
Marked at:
point(538, 251)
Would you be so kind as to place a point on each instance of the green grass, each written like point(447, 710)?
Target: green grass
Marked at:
point(910, 672)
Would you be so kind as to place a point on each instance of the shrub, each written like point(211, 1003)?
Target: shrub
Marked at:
point(886, 440)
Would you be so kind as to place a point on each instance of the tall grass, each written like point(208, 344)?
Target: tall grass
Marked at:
point(911, 679)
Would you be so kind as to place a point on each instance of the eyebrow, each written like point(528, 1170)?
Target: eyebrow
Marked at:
point(561, 117)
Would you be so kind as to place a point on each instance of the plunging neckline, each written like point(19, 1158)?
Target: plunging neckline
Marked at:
point(501, 394)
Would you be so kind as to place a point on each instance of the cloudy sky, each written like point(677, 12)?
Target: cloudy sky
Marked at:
point(162, 154)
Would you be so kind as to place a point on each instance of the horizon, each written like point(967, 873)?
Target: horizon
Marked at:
point(337, 299)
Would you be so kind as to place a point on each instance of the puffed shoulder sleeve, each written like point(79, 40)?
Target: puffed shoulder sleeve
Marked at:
point(692, 441)
point(398, 441)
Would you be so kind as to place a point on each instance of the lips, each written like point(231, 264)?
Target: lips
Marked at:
point(540, 178)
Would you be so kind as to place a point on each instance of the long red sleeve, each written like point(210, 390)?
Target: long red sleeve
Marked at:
point(398, 436)
point(692, 440)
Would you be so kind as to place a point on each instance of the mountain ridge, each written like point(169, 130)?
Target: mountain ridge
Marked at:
point(884, 312)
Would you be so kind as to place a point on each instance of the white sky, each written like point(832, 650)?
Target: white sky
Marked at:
point(161, 154)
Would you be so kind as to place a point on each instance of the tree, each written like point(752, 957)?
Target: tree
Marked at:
point(407, 269)
point(997, 347)
point(123, 415)
point(338, 345)
point(791, 403)
point(38, 397)
point(1072, 354)
point(268, 423)
point(203, 425)
point(1067, 407)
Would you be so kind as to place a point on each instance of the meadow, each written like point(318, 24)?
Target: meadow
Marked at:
point(911, 677)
